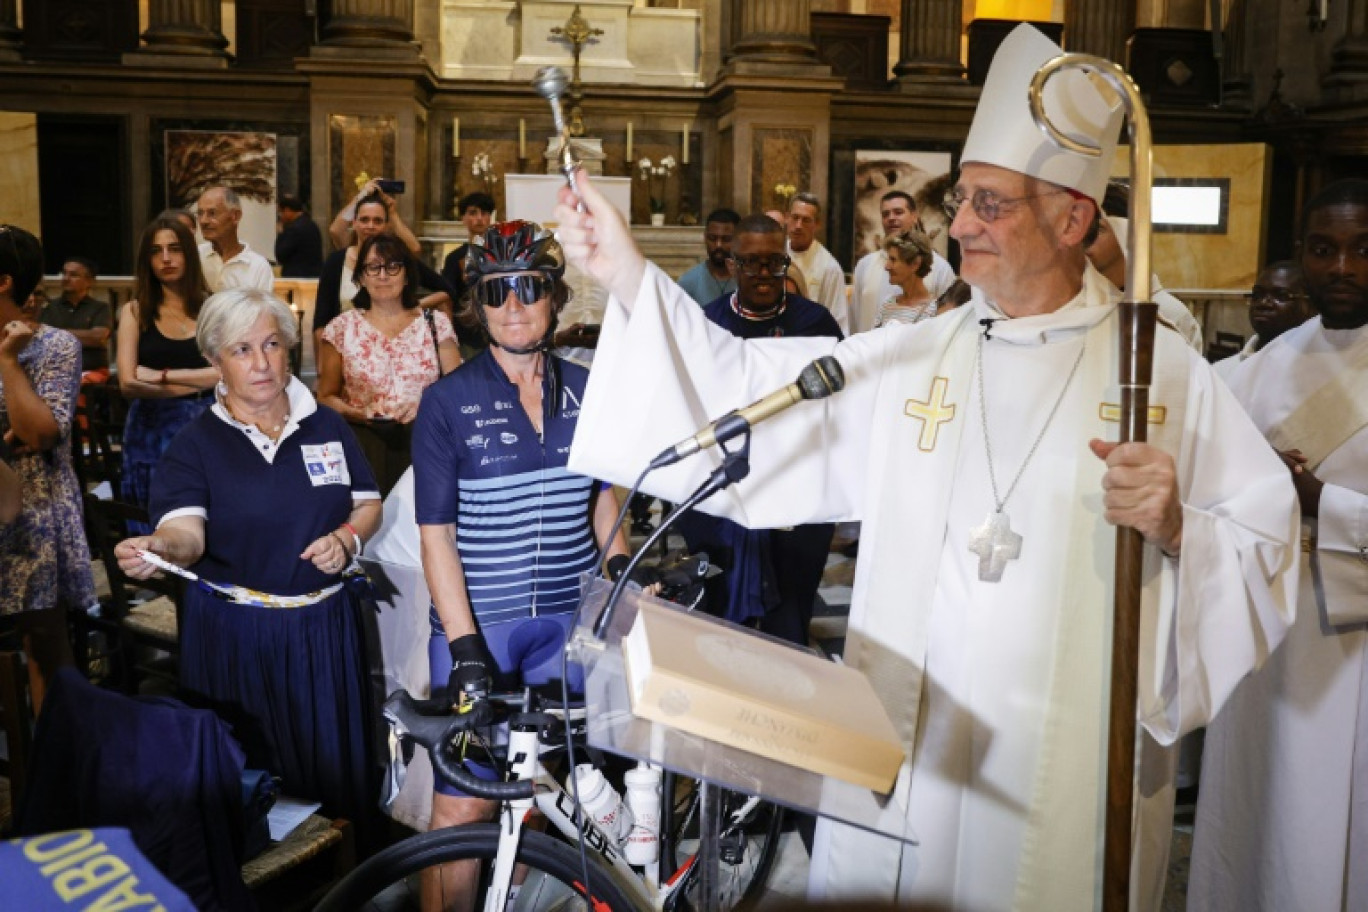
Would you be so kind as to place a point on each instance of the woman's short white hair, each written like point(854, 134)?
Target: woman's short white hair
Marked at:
point(227, 317)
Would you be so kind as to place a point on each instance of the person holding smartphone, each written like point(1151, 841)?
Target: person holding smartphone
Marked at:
point(374, 214)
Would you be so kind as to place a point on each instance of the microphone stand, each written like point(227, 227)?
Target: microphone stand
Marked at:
point(735, 466)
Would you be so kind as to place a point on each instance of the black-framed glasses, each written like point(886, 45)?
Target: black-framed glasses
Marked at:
point(392, 268)
point(776, 266)
point(528, 288)
point(1280, 296)
point(987, 205)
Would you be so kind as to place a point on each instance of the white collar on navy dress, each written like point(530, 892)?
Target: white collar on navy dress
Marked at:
point(302, 405)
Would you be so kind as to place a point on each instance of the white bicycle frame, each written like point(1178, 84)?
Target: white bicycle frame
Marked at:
point(558, 806)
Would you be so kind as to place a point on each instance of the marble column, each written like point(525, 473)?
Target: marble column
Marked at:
point(184, 28)
point(930, 33)
point(1348, 75)
point(1236, 80)
point(11, 38)
point(369, 23)
point(765, 31)
point(1099, 27)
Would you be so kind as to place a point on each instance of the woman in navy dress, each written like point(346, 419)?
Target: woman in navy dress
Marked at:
point(160, 368)
point(268, 492)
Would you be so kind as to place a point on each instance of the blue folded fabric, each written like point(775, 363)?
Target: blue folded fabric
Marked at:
point(83, 869)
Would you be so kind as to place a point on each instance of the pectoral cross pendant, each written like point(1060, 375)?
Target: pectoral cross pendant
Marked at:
point(995, 544)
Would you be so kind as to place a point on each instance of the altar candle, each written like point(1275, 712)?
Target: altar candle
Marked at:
point(522, 138)
point(456, 138)
point(629, 142)
point(684, 158)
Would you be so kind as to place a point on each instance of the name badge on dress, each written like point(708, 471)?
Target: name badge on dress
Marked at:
point(326, 463)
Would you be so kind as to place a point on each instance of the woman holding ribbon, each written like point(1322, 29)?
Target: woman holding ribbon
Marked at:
point(269, 497)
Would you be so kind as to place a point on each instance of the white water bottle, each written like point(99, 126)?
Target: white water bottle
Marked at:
point(602, 803)
point(643, 800)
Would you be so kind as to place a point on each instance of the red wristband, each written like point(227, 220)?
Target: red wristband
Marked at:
point(356, 536)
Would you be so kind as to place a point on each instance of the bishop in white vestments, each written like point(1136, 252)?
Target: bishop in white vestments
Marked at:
point(1282, 812)
point(988, 497)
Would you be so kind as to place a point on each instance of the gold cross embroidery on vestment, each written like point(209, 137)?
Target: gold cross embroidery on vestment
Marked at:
point(933, 413)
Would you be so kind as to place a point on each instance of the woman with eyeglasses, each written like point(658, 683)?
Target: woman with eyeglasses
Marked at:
point(506, 529)
point(375, 361)
point(338, 283)
point(160, 368)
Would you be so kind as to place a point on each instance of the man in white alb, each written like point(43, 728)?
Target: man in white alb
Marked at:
point(988, 497)
point(824, 276)
point(227, 261)
point(1277, 302)
point(1280, 813)
point(870, 285)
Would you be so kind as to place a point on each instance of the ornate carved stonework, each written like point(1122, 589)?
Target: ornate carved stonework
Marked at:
point(78, 30)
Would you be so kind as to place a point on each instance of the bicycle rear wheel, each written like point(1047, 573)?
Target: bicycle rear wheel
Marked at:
point(389, 879)
point(749, 840)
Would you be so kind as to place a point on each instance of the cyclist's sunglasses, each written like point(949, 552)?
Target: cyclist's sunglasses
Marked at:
point(493, 291)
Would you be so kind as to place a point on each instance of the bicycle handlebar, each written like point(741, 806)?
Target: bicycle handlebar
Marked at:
point(432, 724)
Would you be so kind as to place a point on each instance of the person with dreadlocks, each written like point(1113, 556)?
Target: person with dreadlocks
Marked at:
point(506, 529)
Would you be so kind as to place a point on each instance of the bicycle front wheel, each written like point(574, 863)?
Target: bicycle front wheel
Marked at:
point(389, 880)
point(748, 841)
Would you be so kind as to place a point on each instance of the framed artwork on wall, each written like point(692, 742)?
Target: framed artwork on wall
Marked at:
point(876, 172)
point(247, 162)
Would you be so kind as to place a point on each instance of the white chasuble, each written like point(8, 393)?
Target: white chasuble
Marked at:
point(1283, 818)
point(999, 689)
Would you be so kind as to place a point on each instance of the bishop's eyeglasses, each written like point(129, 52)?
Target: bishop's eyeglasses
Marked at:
point(774, 265)
point(987, 205)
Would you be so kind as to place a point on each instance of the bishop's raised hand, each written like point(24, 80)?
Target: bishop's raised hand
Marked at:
point(598, 240)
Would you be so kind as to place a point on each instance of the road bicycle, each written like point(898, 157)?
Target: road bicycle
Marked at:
point(585, 868)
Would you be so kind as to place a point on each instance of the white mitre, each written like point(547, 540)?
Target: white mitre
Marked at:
point(1079, 105)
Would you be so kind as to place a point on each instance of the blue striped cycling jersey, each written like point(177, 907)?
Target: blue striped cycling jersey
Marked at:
point(523, 523)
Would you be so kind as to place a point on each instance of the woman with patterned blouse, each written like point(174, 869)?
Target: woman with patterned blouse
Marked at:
point(44, 559)
point(375, 360)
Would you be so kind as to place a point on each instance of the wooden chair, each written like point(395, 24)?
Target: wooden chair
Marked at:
point(295, 872)
point(137, 613)
point(97, 439)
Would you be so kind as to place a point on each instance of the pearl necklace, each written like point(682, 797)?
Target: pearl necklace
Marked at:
point(273, 431)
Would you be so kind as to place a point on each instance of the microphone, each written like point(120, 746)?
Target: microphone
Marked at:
point(818, 380)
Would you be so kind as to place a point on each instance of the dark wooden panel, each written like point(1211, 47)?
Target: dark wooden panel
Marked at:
point(855, 47)
point(89, 30)
point(271, 33)
point(1174, 66)
point(82, 177)
point(986, 34)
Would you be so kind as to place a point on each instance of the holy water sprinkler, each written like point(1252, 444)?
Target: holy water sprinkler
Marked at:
point(551, 83)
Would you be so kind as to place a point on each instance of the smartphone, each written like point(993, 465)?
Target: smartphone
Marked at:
point(390, 186)
point(381, 419)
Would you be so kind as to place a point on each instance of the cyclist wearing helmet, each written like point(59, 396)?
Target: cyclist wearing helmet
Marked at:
point(506, 530)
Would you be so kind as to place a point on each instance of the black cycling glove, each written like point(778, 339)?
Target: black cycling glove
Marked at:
point(472, 672)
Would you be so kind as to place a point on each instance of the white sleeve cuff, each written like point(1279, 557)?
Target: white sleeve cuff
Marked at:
point(182, 511)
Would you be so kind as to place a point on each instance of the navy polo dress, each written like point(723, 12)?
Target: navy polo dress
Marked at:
point(293, 682)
